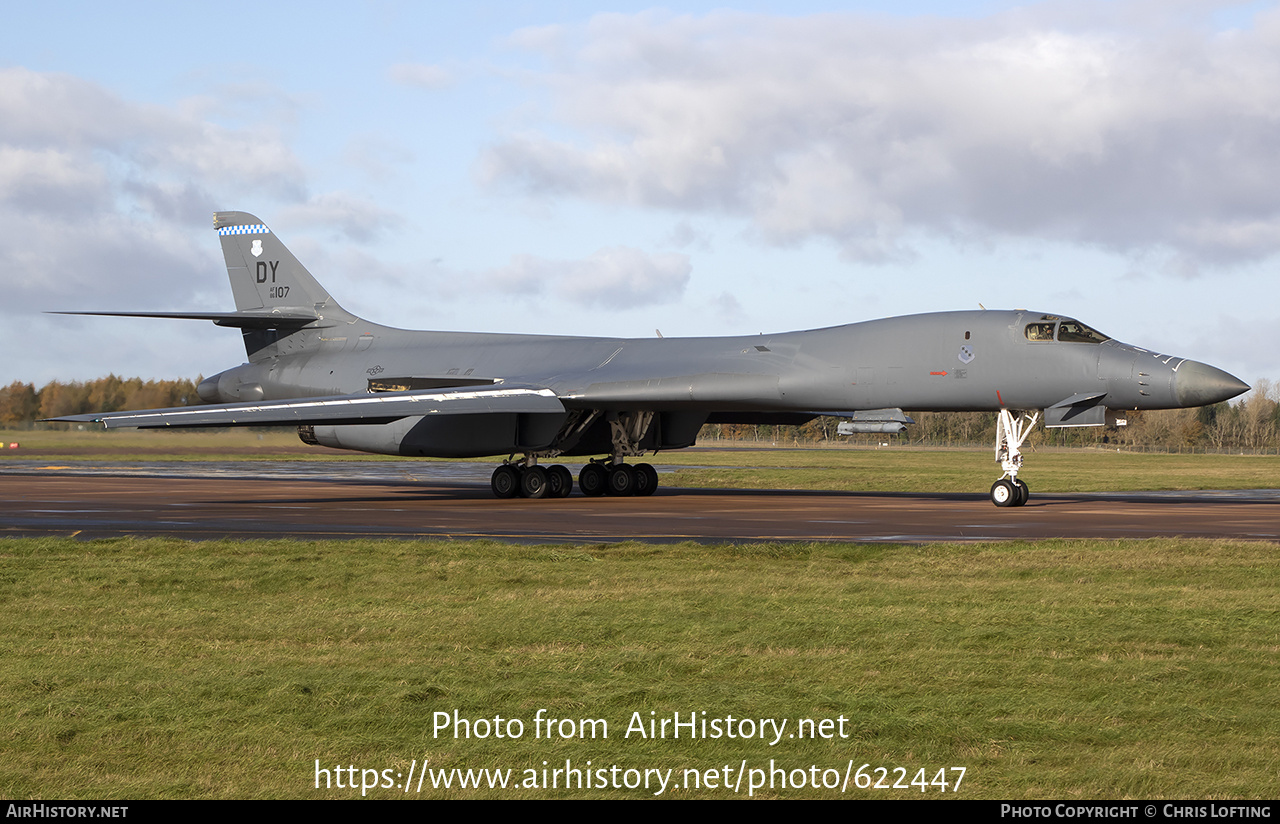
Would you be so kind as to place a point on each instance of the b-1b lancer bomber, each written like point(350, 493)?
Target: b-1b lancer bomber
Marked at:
point(351, 384)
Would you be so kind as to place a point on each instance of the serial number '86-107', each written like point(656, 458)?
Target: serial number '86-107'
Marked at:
point(279, 291)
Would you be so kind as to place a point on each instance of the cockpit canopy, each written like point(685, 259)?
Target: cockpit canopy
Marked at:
point(1068, 330)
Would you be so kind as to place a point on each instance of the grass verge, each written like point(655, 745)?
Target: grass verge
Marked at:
point(911, 470)
point(1062, 669)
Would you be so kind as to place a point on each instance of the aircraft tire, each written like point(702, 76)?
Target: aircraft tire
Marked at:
point(559, 482)
point(1024, 492)
point(1003, 493)
point(533, 482)
point(591, 480)
point(646, 479)
point(505, 482)
point(621, 482)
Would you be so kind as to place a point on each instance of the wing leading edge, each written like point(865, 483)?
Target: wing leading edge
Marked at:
point(381, 407)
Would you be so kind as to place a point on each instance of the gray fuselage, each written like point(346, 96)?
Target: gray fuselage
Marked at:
point(947, 361)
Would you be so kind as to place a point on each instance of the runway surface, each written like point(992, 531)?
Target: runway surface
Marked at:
point(198, 501)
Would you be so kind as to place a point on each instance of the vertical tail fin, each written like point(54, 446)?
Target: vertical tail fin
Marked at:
point(266, 279)
point(264, 274)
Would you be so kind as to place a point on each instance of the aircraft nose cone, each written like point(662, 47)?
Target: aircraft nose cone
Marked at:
point(1199, 384)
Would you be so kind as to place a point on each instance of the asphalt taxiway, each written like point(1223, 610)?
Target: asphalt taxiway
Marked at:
point(202, 503)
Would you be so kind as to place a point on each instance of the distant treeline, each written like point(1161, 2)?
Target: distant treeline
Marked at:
point(21, 404)
point(1250, 424)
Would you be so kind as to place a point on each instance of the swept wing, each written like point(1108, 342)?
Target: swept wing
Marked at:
point(376, 408)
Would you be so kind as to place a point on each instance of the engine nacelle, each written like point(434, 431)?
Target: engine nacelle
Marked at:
point(241, 384)
point(442, 436)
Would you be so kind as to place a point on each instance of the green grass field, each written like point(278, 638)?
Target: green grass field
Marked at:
point(171, 669)
point(921, 470)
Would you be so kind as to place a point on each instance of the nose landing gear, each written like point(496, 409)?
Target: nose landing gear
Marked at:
point(1010, 490)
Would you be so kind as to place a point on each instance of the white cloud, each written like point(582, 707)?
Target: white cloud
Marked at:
point(618, 277)
point(99, 195)
point(45, 179)
point(1121, 126)
point(685, 235)
point(728, 308)
point(356, 217)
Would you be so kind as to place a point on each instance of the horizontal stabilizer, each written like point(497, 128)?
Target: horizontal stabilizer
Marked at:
point(238, 320)
point(382, 407)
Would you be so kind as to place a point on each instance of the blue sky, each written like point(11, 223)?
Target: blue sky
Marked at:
point(695, 168)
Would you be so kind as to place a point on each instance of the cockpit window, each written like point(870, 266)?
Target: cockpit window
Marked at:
point(1073, 331)
point(1039, 331)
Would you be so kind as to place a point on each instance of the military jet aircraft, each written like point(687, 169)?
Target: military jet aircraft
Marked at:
point(351, 384)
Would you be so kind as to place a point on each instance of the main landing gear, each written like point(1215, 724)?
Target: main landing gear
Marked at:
point(531, 481)
point(603, 476)
point(1011, 490)
point(618, 480)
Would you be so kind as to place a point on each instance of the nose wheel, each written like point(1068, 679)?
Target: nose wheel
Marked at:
point(1009, 492)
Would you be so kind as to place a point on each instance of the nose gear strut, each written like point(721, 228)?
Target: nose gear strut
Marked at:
point(1010, 490)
